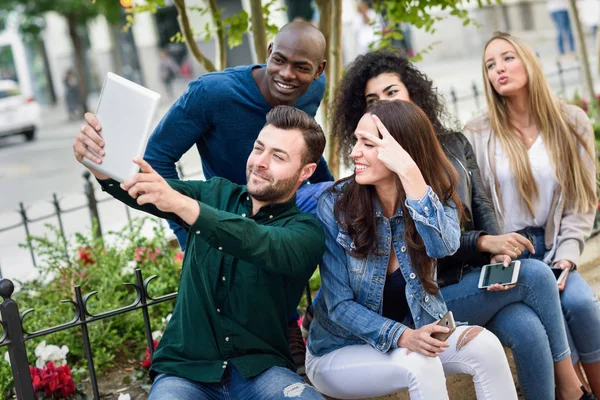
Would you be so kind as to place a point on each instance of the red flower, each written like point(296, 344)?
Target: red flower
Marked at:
point(85, 255)
point(147, 362)
point(179, 257)
point(144, 254)
point(54, 382)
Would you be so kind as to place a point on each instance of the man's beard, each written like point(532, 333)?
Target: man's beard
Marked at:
point(273, 192)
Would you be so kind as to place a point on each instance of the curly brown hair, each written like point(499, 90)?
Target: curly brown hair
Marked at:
point(349, 103)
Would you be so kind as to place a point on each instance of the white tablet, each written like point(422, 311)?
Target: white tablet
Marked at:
point(498, 273)
point(125, 111)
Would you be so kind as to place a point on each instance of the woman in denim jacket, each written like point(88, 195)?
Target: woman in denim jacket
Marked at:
point(526, 317)
point(384, 227)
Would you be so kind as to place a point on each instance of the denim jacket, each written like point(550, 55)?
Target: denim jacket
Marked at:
point(349, 311)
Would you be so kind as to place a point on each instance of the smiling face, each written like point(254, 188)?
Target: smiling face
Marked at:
point(274, 169)
point(368, 169)
point(505, 69)
point(386, 86)
point(293, 63)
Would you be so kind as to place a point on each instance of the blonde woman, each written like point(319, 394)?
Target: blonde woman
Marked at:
point(536, 156)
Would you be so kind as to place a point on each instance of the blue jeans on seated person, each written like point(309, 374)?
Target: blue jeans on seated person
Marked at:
point(531, 322)
point(276, 383)
point(580, 306)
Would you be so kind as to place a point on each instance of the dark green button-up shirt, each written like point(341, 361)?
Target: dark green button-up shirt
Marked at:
point(242, 277)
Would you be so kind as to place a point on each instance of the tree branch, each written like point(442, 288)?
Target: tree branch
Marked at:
point(184, 25)
point(258, 30)
point(220, 39)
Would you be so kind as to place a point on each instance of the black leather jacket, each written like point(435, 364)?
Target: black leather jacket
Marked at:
point(478, 209)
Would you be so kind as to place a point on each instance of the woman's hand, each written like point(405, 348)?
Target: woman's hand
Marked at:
point(393, 156)
point(420, 340)
point(563, 264)
point(500, 259)
point(510, 244)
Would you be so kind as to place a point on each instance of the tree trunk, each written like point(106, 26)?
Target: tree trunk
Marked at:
point(79, 60)
point(220, 43)
point(588, 83)
point(114, 30)
point(258, 30)
point(335, 74)
point(186, 30)
point(325, 20)
point(47, 74)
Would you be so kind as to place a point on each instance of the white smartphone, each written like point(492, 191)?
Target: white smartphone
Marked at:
point(559, 274)
point(498, 273)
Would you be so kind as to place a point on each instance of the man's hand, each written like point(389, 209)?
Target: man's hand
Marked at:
point(89, 138)
point(510, 244)
point(420, 340)
point(148, 187)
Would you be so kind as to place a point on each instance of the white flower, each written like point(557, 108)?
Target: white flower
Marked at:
point(46, 353)
point(124, 396)
point(129, 268)
point(7, 357)
point(167, 319)
point(156, 335)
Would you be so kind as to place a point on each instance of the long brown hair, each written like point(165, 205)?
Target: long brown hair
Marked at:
point(355, 208)
point(560, 135)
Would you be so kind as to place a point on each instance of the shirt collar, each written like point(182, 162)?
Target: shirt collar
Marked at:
point(272, 209)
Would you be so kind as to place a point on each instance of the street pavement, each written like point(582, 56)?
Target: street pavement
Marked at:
point(32, 172)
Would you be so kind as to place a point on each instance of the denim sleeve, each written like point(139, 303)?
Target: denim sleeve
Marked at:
point(379, 332)
point(437, 224)
point(181, 127)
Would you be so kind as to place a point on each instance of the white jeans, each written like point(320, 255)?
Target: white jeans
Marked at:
point(360, 371)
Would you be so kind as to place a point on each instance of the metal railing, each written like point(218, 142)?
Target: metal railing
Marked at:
point(91, 205)
point(15, 335)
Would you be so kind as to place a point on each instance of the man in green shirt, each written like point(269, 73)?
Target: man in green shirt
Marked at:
point(250, 251)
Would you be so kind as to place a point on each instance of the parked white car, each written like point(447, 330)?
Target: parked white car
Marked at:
point(19, 114)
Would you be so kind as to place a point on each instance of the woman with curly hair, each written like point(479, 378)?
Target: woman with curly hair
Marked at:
point(532, 324)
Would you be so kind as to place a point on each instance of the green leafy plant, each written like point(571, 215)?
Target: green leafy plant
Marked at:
point(103, 266)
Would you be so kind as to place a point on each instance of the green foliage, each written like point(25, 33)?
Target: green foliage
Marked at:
point(6, 379)
point(31, 12)
point(101, 267)
point(419, 14)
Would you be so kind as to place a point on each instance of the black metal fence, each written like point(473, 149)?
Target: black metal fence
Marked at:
point(91, 205)
point(15, 336)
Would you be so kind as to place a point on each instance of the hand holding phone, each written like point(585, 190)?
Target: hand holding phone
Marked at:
point(561, 277)
point(499, 274)
point(422, 341)
point(447, 321)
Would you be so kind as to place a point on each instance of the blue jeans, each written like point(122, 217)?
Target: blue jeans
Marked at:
point(276, 383)
point(563, 26)
point(530, 322)
point(580, 306)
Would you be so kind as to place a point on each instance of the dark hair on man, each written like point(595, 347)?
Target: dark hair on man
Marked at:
point(355, 208)
point(350, 104)
point(287, 117)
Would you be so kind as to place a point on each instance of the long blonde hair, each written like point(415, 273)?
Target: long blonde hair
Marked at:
point(560, 136)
